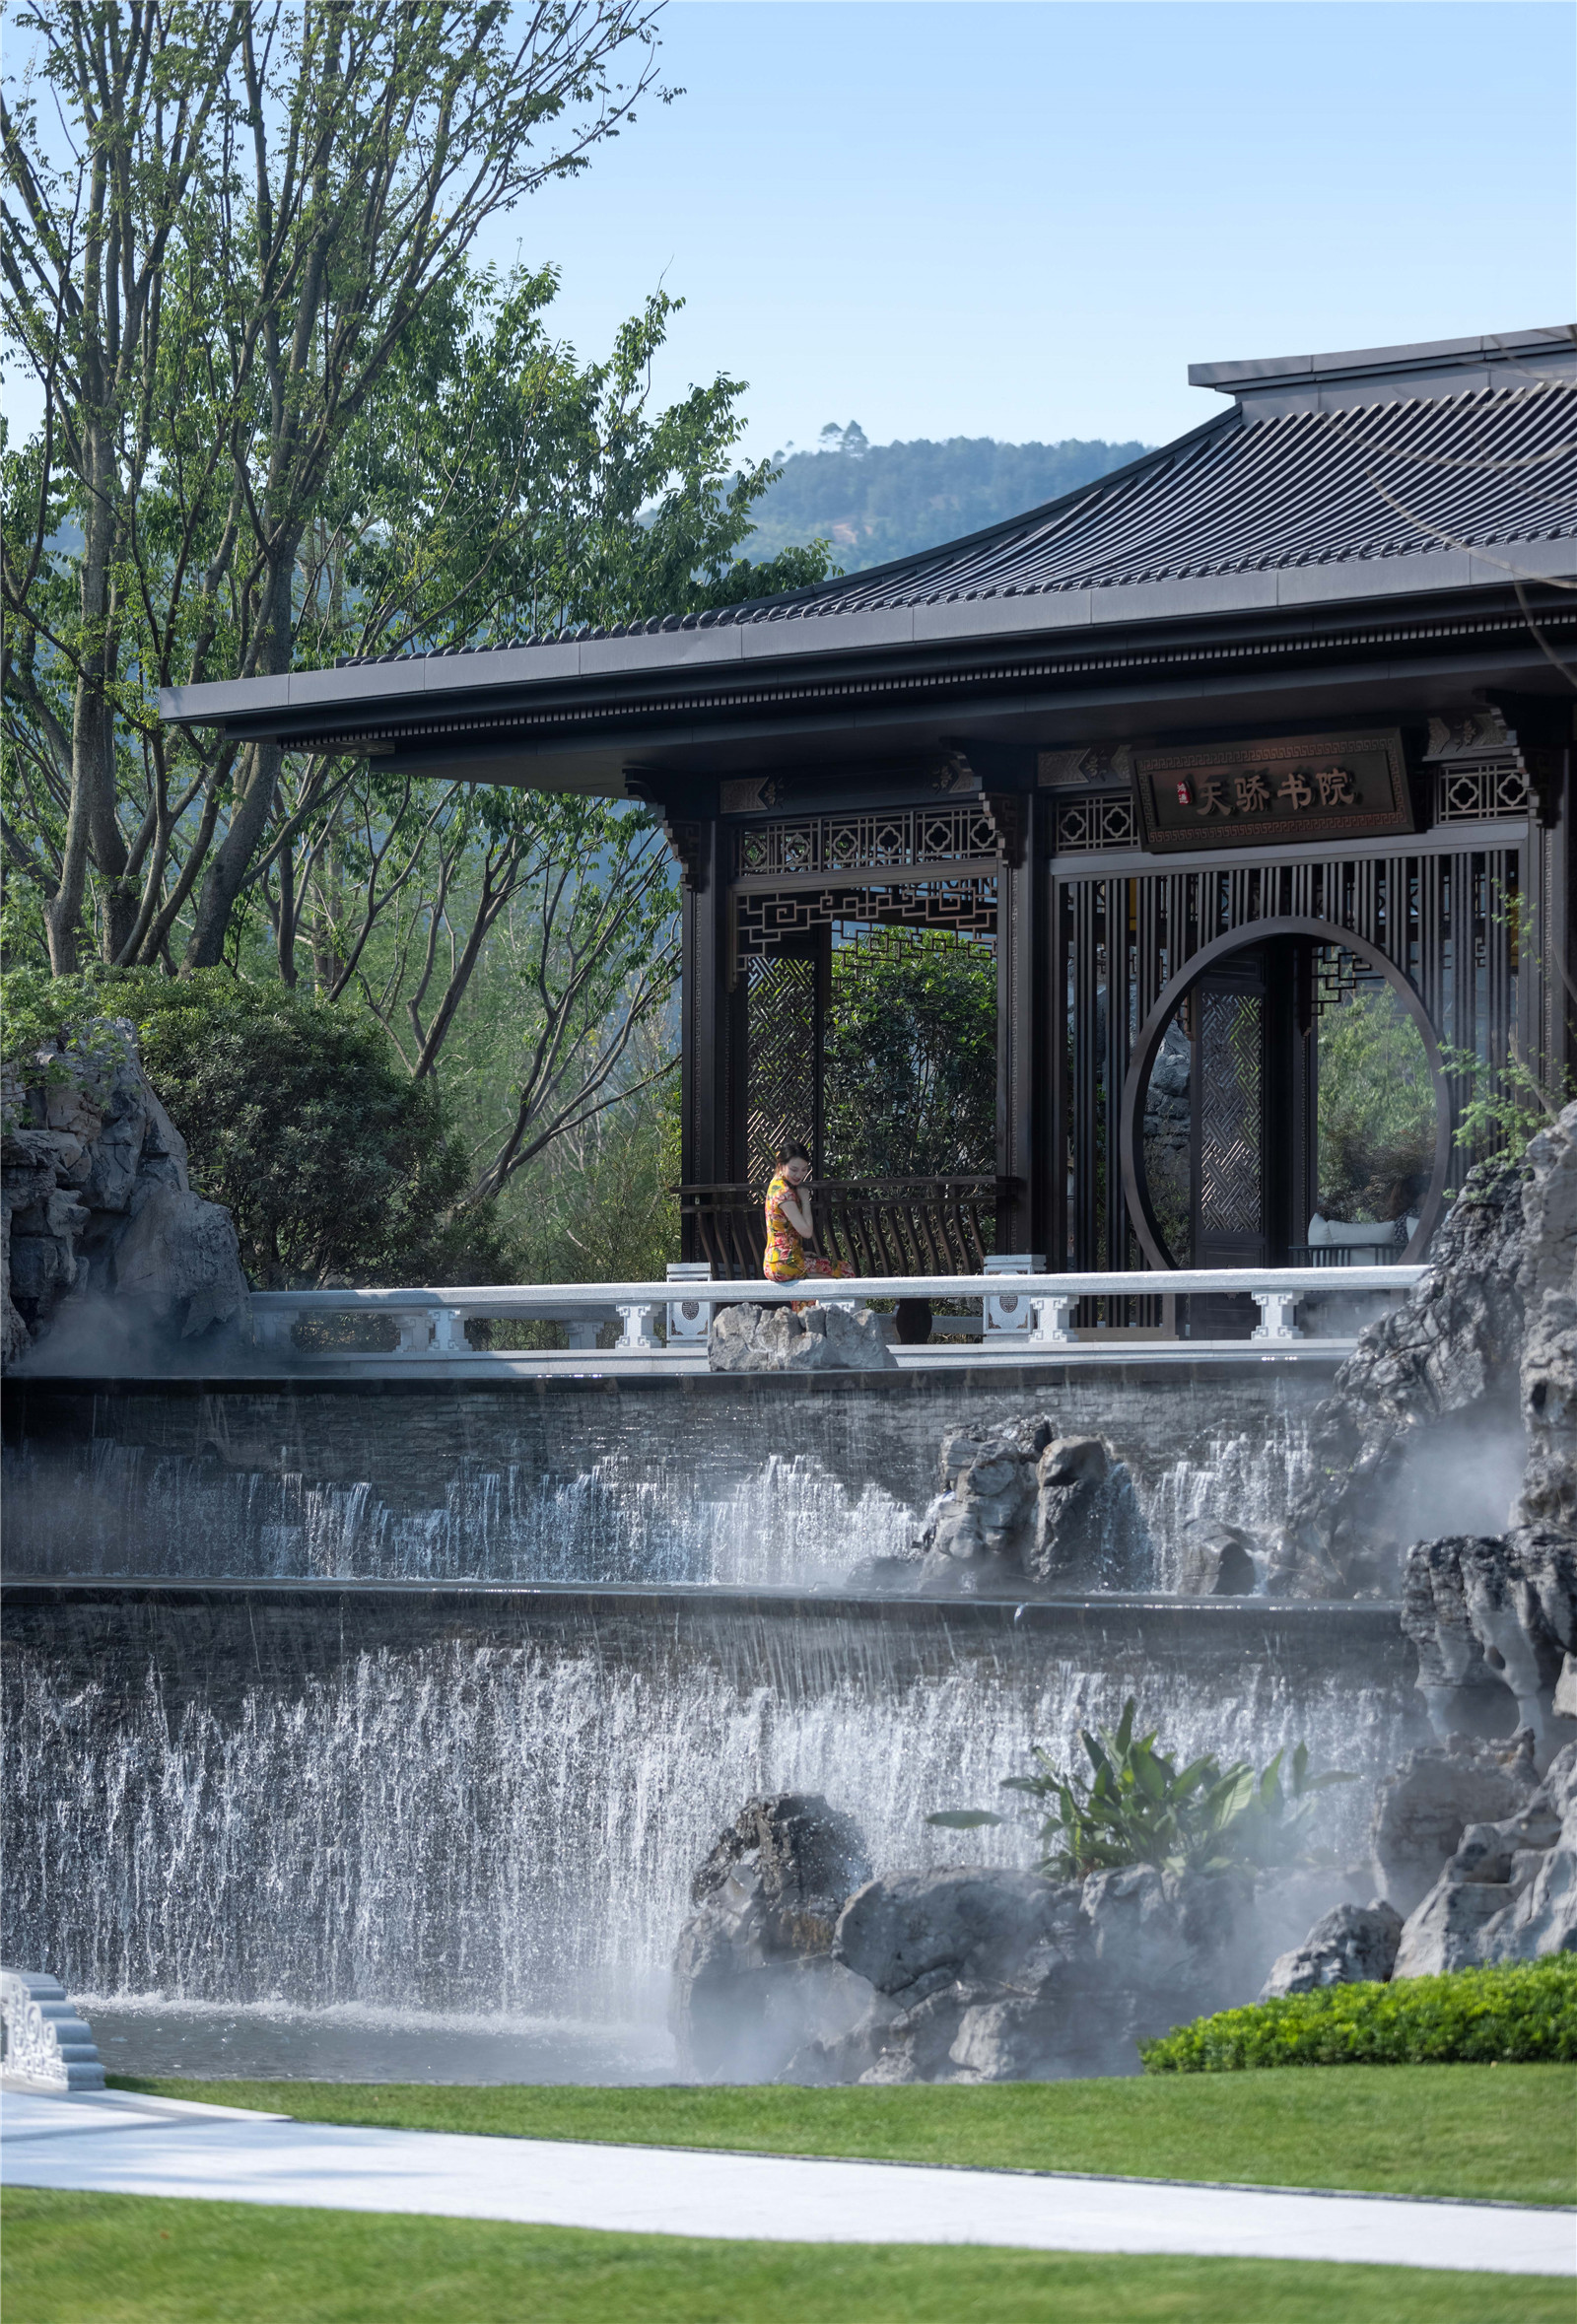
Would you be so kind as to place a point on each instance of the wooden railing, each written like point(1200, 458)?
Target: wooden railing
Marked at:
point(879, 1226)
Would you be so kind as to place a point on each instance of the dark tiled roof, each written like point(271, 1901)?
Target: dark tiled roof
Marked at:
point(1244, 495)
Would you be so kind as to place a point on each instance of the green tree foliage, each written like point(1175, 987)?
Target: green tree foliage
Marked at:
point(1137, 1805)
point(1524, 2013)
point(1376, 1109)
point(287, 418)
point(218, 231)
point(910, 1057)
point(876, 502)
point(333, 1162)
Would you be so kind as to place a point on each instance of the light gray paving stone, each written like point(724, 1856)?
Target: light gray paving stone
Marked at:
point(652, 2190)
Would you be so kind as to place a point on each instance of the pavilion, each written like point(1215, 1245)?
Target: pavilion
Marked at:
point(1281, 710)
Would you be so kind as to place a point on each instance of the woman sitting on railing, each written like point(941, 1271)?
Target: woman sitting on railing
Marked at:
point(791, 1251)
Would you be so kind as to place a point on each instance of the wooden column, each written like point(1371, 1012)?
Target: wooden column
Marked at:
point(702, 1019)
point(1024, 982)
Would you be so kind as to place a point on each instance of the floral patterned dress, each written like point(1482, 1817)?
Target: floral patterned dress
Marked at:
point(785, 1261)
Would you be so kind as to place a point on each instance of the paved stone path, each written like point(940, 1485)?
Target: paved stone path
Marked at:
point(117, 2144)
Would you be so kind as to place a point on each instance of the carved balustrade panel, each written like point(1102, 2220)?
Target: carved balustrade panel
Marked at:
point(891, 839)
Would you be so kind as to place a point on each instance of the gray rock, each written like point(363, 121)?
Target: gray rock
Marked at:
point(1460, 1408)
point(1422, 1811)
point(1546, 1278)
point(101, 1237)
point(1492, 1615)
point(1217, 1560)
point(806, 1857)
point(913, 1933)
point(1022, 2038)
point(753, 1982)
point(1439, 1367)
point(178, 1257)
point(1072, 1478)
point(1354, 1944)
point(1549, 1379)
point(751, 1339)
point(1024, 1508)
point(1509, 1891)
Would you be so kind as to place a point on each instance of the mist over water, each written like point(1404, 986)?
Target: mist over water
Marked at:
point(478, 1828)
point(452, 1835)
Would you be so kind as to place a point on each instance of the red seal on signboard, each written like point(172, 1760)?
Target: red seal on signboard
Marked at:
point(1185, 794)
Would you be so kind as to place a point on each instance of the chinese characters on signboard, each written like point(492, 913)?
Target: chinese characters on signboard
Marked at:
point(1293, 787)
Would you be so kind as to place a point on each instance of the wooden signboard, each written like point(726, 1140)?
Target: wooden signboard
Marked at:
point(1299, 786)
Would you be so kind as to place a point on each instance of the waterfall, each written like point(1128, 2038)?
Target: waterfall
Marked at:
point(758, 1518)
point(475, 1805)
point(1242, 1477)
point(491, 1670)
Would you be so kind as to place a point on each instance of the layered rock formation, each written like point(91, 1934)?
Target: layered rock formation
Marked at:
point(1027, 1510)
point(964, 1974)
point(101, 1237)
point(1476, 1838)
point(1509, 1891)
point(751, 1339)
point(1458, 1410)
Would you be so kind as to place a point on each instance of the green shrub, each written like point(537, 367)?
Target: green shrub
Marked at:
point(297, 1117)
point(1522, 2014)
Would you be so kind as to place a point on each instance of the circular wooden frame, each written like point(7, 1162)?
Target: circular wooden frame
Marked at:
point(1136, 1186)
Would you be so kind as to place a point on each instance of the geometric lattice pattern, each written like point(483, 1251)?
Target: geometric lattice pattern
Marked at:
point(1447, 912)
point(781, 1045)
point(1085, 825)
point(1478, 794)
point(1338, 976)
point(762, 920)
point(892, 840)
point(1231, 1127)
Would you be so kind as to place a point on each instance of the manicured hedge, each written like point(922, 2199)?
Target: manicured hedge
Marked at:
point(1523, 2014)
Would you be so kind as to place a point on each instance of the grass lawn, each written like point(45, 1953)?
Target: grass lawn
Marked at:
point(131, 2259)
point(1508, 2131)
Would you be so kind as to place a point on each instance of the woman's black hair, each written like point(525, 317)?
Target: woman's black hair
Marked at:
point(787, 1154)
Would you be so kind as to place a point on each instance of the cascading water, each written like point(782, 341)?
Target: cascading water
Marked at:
point(371, 1780)
point(778, 1519)
point(395, 1813)
point(1245, 1477)
point(788, 1523)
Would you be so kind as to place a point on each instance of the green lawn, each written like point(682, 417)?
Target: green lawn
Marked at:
point(130, 2258)
point(1508, 2131)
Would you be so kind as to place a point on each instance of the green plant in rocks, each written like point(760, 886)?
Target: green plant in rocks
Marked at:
point(1137, 1807)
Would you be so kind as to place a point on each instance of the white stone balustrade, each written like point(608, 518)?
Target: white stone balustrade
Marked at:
point(46, 2043)
point(1036, 1314)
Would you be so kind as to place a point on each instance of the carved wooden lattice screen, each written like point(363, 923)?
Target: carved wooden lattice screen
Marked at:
point(783, 1035)
point(1447, 918)
point(1230, 1126)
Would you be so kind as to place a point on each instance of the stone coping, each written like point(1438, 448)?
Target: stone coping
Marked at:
point(46, 1589)
point(972, 1371)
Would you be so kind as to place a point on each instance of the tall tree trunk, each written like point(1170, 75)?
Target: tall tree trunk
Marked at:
point(257, 780)
point(92, 814)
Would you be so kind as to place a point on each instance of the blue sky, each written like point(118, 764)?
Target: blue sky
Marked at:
point(1025, 218)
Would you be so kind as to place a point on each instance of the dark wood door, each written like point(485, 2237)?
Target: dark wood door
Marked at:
point(1251, 1119)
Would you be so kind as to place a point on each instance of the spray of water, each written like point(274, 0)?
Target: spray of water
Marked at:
point(460, 1825)
point(790, 1521)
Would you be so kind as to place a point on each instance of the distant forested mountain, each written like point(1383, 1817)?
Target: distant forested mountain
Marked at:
point(877, 500)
